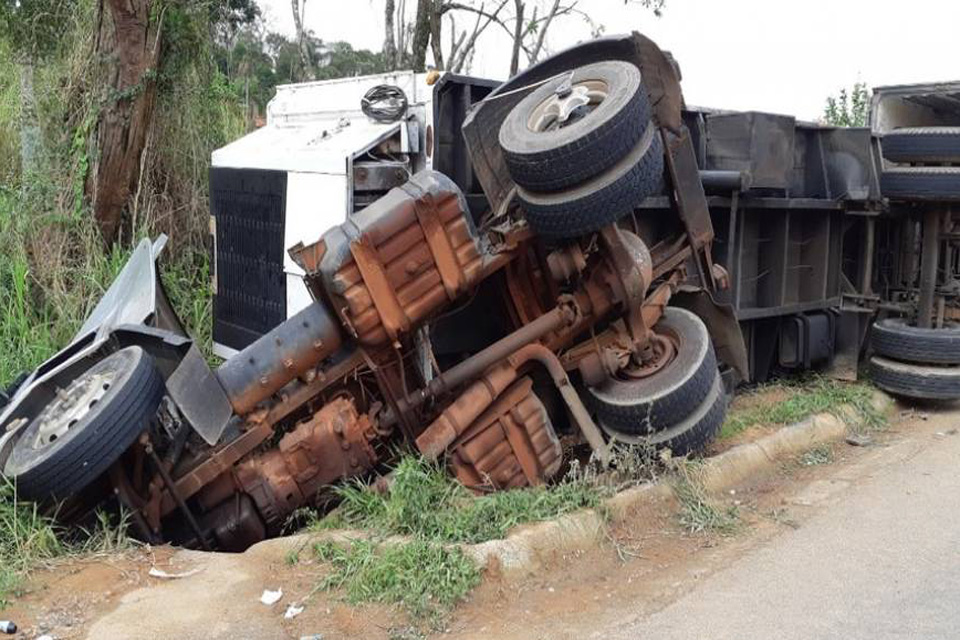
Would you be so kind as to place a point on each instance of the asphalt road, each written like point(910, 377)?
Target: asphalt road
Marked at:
point(879, 560)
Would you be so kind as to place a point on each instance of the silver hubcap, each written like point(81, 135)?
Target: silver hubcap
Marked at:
point(568, 106)
point(72, 405)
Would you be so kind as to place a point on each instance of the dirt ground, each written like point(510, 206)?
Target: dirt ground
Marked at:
point(641, 569)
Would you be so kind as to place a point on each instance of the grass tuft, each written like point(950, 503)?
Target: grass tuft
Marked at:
point(699, 513)
point(26, 539)
point(817, 456)
point(425, 577)
point(427, 574)
point(805, 397)
point(425, 502)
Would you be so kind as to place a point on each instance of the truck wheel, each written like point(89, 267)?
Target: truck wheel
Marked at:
point(923, 183)
point(915, 380)
point(602, 200)
point(690, 435)
point(87, 426)
point(642, 406)
point(923, 145)
point(894, 338)
point(559, 136)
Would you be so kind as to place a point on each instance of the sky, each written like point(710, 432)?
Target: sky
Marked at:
point(781, 56)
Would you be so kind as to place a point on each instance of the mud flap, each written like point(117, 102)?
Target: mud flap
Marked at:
point(723, 326)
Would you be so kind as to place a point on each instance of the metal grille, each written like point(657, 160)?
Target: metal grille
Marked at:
point(248, 206)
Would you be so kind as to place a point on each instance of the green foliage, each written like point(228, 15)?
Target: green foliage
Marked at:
point(26, 538)
point(805, 397)
point(428, 574)
point(425, 577)
point(34, 27)
point(425, 502)
point(848, 109)
point(341, 60)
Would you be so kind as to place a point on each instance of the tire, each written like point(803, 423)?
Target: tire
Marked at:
point(915, 380)
point(894, 338)
point(601, 201)
point(132, 390)
point(923, 183)
point(555, 160)
point(923, 145)
point(645, 406)
point(690, 435)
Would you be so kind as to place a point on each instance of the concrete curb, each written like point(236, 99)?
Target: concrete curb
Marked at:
point(527, 547)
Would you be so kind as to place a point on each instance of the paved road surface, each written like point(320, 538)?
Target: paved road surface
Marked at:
point(880, 561)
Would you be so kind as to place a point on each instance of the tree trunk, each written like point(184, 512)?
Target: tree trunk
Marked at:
point(306, 66)
point(421, 36)
point(517, 38)
point(389, 42)
point(132, 44)
point(30, 140)
point(436, 15)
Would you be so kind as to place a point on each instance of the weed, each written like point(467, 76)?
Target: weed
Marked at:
point(699, 513)
point(817, 456)
point(26, 538)
point(292, 557)
point(805, 397)
point(426, 578)
point(424, 501)
point(427, 573)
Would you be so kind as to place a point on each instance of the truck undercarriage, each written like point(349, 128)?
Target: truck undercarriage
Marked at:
point(603, 271)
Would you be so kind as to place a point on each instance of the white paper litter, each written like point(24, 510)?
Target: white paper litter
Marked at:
point(292, 611)
point(163, 575)
point(271, 597)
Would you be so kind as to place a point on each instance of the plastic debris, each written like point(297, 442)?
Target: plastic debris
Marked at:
point(8, 627)
point(271, 597)
point(292, 611)
point(163, 575)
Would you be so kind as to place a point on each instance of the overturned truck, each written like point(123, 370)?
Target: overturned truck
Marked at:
point(580, 268)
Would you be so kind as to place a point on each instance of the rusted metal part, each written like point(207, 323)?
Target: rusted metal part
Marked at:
point(171, 488)
point(512, 444)
point(632, 267)
point(526, 290)
point(458, 417)
point(566, 263)
point(217, 463)
point(298, 392)
point(578, 412)
point(564, 315)
point(258, 427)
point(400, 260)
point(335, 443)
point(288, 351)
point(690, 200)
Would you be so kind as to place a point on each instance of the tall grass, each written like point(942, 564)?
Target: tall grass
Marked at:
point(53, 265)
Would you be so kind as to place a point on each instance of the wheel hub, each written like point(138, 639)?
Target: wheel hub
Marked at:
point(663, 349)
point(72, 405)
point(569, 104)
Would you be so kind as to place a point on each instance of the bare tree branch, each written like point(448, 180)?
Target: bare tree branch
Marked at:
point(478, 28)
